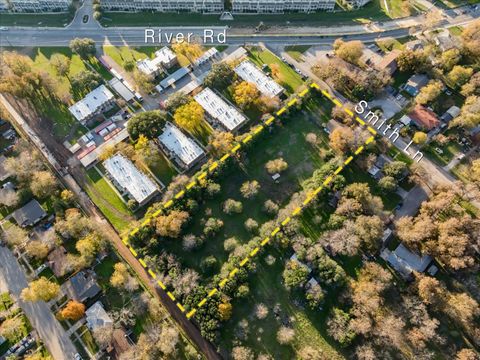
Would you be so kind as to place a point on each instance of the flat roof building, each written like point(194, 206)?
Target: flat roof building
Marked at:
point(164, 59)
point(121, 89)
point(266, 85)
point(128, 179)
point(173, 78)
point(94, 103)
point(39, 5)
point(164, 5)
point(219, 110)
point(181, 147)
point(280, 6)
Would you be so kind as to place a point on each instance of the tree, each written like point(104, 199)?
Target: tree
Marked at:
point(249, 189)
point(450, 58)
point(74, 311)
point(144, 82)
point(84, 47)
point(41, 289)
point(470, 115)
point(251, 225)
point(14, 235)
point(191, 242)
point(466, 354)
point(314, 295)
point(429, 92)
point(285, 335)
point(338, 327)
point(103, 335)
point(471, 39)
point(295, 274)
point(60, 63)
point(369, 230)
point(219, 76)
point(225, 311)
point(212, 226)
point(459, 75)
point(171, 225)
point(343, 241)
point(230, 244)
point(85, 81)
point(177, 99)
point(270, 207)
point(245, 94)
point(189, 116)
point(395, 169)
point(36, 249)
point(276, 166)
point(242, 353)
point(231, 206)
point(8, 197)
point(388, 184)
point(97, 15)
point(310, 353)
point(44, 184)
point(350, 51)
point(191, 50)
point(472, 87)
point(221, 142)
point(121, 278)
point(147, 123)
point(261, 311)
point(12, 329)
point(342, 140)
point(89, 246)
point(412, 61)
point(420, 137)
point(431, 291)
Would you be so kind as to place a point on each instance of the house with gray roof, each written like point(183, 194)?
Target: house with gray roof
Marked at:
point(29, 214)
point(82, 286)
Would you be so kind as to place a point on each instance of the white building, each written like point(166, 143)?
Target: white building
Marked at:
point(164, 59)
point(129, 180)
point(96, 102)
point(359, 3)
point(219, 110)
point(164, 5)
point(280, 6)
point(39, 5)
point(266, 85)
point(97, 317)
point(4, 7)
point(181, 147)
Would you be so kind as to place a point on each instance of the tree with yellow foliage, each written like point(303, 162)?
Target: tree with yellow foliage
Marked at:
point(41, 289)
point(74, 311)
point(190, 50)
point(225, 311)
point(245, 94)
point(189, 116)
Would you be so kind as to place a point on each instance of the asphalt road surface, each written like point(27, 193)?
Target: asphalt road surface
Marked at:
point(13, 280)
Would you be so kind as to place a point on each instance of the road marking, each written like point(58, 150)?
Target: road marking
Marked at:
point(170, 295)
point(142, 263)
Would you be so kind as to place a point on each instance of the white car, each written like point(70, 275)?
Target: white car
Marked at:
point(3, 28)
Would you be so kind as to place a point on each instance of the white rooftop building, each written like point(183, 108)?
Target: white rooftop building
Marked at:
point(128, 179)
point(219, 110)
point(39, 5)
point(280, 6)
point(164, 58)
point(180, 146)
point(97, 317)
point(266, 85)
point(164, 5)
point(94, 103)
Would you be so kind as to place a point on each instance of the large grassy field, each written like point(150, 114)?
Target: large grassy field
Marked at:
point(102, 194)
point(41, 20)
point(370, 12)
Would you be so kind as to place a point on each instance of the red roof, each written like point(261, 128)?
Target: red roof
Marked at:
point(424, 118)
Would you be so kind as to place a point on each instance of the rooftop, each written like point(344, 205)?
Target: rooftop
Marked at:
point(4, 174)
point(91, 103)
point(129, 178)
point(97, 317)
point(405, 261)
point(181, 145)
point(29, 214)
point(424, 117)
point(249, 72)
point(82, 286)
point(220, 110)
point(173, 78)
point(121, 89)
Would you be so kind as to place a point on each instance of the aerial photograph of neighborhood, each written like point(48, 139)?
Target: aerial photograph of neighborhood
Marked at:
point(240, 179)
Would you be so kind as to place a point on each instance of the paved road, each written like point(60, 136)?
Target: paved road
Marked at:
point(31, 36)
point(12, 279)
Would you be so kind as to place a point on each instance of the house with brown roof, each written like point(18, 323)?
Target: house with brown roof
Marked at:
point(120, 344)
point(389, 62)
point(57, 261)
point(424, 118)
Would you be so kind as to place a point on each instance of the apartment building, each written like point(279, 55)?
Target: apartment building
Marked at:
point(94, 103)
point(279, 6)
point(164, 59)
point(176, 144)
point(219, 110)
point(265, 84)
point(38, 5)
point(359, 3)
point(4, 6)
point(204, 6)
point(129, 180)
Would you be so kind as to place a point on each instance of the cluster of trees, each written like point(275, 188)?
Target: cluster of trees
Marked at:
point(350, 51)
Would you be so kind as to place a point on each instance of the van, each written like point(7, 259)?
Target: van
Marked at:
point(139, 97)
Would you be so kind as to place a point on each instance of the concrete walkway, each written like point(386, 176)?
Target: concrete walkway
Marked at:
point(13, 280)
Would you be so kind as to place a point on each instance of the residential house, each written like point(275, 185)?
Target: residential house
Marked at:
point(30, 214)
point(415, 83)
point(4, 7)
point(82, 286)
point(450, 114)
point(183, 149)
point(475, 135)
point(120, 344)
point(444, 40)
point(164, 59)
point(389, 62)
point(219, 111)
point(424, 118)
point(266, 85)
point(4, 174)
point(94, 103)
point(129, 180)
point(414, 45)
point(406, 262)
point(97, 317)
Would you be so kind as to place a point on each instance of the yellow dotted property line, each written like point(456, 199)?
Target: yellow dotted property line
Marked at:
point(213, 166)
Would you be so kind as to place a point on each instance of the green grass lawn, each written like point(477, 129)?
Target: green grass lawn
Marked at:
point(296, 51)
point(102, 194)
point(389, 44)
point(41, 20)
point(288, 78)
point(449, 152)
point(122, 54)
point(370, 12)
point(397, 8)
point(163, 170)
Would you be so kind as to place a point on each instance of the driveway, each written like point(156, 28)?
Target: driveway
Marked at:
point(13, 280)
point(412, 202)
